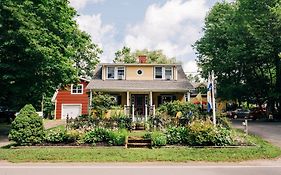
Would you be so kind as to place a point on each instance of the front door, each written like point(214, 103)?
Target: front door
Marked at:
point(139, 102)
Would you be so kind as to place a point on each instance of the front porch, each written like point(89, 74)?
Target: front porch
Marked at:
point(141, 105)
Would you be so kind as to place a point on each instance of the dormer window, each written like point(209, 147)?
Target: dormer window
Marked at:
point(115, 73)
point(110, 72)
point(77, 89)
point(120, 73)
point(163, 73)
point(158, 72)
point(168, 73)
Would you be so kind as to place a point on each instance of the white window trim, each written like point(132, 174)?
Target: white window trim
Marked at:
point(172, 75)
point(163, 73)
point(76, 93)
point(155, 73)
point(115, 72)
point(106, 75)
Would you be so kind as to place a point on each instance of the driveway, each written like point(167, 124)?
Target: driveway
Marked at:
point(270, 131)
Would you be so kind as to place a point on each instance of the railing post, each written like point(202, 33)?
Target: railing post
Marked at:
point(145, 112)
point(153, 110)
point(125, 109)
point(133, 113)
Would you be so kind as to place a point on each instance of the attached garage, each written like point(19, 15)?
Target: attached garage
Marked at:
point(71, 110)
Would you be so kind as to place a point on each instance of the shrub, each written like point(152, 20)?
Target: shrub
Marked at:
point(157, 138)
point(55, 136)
point(118, 138)
point(172, 108)
point(223, 121)
point(177, 135)
point(123, 121)
point(102, 103)
point(96, 135)
point(72, 136)
point(204, 133)
point(27, 128)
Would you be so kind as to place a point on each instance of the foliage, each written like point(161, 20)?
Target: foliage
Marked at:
point(174, 107)
point(117, 138)
point(102, 103)
point(27, 128)
point(193, 78)
point(177, 135)
point(241, 43)
point(97, 135)
point(158, 139)
point(126, 56)
point(123, 121)
point(55, 136)
point(223, 121)
point(88, 122)
point(41, 48)
point(49, 107)
point(62, 136)
point(204, 133)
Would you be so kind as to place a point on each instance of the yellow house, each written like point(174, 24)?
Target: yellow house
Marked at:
point(141, 87)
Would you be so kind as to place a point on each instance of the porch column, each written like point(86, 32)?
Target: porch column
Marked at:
point(150, 98)
point(145, 112)
point(133, 113)
point(128, 98)
point(188, 96)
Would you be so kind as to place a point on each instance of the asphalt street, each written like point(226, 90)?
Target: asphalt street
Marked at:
point(139, 169)
point(270, 131)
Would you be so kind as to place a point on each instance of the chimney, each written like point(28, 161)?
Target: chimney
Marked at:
point(142, 59)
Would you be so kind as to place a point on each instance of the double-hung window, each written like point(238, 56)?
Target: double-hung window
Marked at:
point(110, 72)
point(115, 73)
point(77, 89)
point(158, 73)
point(163, 73)
point(168, 73)
point(120, 73)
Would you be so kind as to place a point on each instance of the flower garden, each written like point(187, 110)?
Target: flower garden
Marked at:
point(175, 123)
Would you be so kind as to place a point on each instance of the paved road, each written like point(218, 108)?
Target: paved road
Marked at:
point(270, 131)
point(140, 169)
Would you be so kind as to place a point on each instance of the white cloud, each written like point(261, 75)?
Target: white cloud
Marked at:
point(80, 4)
point(172, 27)
point(101, 34)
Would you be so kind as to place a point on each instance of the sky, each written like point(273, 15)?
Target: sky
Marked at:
point(168, 25)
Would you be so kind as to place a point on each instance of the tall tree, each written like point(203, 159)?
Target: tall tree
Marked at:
point(241, 43)
point(40, 46)
point(157, 56)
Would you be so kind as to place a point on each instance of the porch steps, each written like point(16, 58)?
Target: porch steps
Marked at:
point(137, 142)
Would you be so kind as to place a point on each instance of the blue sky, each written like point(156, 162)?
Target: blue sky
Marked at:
point(170, 25)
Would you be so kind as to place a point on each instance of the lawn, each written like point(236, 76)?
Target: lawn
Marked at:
point(263, 150)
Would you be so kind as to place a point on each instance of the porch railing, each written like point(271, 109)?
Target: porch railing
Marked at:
point(148, 111)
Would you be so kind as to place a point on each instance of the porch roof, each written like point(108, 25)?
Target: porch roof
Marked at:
point(140, 85)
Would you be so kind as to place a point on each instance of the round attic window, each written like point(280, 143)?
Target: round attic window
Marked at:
point(139, 72)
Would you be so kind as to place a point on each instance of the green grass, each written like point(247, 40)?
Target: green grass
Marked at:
point(263, 150)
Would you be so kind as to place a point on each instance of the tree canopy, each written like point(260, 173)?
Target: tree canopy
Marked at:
point(157, 56)
point(41, 47)
point(241, 43)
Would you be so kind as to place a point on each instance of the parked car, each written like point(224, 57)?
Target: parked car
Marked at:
point(240, 113)
point(257, 113)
